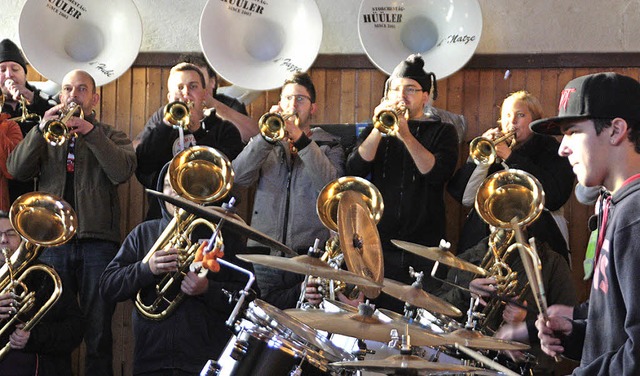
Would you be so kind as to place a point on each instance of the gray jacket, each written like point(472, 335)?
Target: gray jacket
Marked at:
point(285, 201)
point(104, 158)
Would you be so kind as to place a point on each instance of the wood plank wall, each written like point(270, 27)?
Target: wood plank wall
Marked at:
point(344, 96)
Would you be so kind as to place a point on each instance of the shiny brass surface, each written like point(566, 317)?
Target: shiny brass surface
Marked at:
point(55, 131)
point(482, 150)
point(176, 113)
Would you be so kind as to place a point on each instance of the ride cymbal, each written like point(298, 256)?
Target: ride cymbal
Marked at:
point(419, 298)
point(440, 255)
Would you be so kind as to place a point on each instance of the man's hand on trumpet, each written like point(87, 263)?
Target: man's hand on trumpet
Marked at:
point(17, 90)
point(503, 151)
point(7, 305)
point(164, 261)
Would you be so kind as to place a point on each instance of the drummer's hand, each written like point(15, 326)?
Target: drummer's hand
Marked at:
point(560, 310)
point(352, 302)
point(312, 295)
point(513, 313)
point(483, 288)
point(514, 332)
point(549, 332)
point(193, 284)
point(164, 261)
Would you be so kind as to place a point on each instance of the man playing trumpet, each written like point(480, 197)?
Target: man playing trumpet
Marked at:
point(410, 167)
point(160, 141)
point(290, 173)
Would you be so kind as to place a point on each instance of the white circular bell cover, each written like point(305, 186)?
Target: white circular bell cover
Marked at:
point(445, 33)
point(257, 44)
point(98, 36)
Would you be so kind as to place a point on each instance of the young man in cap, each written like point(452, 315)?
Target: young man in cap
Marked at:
point(14, 85)
point(599, 118)
point(410, 169)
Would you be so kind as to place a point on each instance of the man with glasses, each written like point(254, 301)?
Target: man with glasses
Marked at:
point(289, 174)
point(410, 168)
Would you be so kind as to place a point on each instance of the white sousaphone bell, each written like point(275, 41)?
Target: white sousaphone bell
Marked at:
point(97, 36)
point(257, 45)
point(445, 33)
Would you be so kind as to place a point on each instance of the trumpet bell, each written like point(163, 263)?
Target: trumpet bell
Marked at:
point(482, 151)
point(330, 195)
point(176, 113)
point(272, 126)
point(43, 219)
point(445, 33)
point(260, 54)
point(510, 194)
point(100, 37)
point(201, 174)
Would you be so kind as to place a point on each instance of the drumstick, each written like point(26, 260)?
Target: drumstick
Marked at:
point(533, 268)
point(483, 359)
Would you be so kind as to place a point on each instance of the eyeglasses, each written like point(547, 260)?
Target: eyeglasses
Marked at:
point(410, 90)
point(11, 233)
point(297, 98)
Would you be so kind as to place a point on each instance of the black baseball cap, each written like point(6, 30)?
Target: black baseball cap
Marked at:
point(605, 95)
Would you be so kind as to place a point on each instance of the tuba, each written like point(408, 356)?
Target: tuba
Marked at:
point(203, 175)
point(327, 209)
point(42, 220)
point(483, 150)
point(55, 131)
point(505, 200)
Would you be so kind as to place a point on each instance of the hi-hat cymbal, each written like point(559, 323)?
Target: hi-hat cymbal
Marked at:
point(419, 298)
point(405, 364)
point(214, 214)
point(359, 240)
point(365, 327)
point(477, 340)
point(443, 256)
point(308, 265)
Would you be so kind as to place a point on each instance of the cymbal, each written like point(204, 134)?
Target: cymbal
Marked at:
point(365, 327)
point(419, 298)
point(214, 214)
point(443, 256)
point(308, 265)
point(477, 340)
point(404, 364)
point(359, 240)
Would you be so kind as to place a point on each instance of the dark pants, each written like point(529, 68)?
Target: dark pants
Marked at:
point(80, 264)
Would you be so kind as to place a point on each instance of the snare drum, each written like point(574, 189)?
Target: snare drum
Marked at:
point(271, 343)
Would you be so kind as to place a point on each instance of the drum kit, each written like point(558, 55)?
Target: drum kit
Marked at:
point(337, 338)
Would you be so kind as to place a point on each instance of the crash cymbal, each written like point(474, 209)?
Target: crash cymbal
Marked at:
point(365, 327)
point(477, 340)
point(359, 240)
point(215, 214)
point(308, 265)
point(443, 256)
point(405, 364)
point(419, 298)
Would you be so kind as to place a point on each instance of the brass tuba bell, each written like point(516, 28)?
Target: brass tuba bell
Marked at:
point(203, 175)
point(42, 220)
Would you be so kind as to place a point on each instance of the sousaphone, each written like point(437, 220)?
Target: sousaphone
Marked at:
point(445, 33)
point(100, 37)
point(257, 45)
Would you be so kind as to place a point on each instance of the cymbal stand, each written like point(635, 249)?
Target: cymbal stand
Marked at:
point(313, 252)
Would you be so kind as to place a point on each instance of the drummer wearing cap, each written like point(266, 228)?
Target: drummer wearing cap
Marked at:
point(599, 118)
point(410, 169)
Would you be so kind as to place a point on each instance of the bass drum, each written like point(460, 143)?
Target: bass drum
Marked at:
point(271, 343)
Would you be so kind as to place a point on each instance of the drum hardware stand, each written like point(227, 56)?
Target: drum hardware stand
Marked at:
point(313, 252)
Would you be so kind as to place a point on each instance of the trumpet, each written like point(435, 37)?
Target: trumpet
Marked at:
point(55, 131)
point(387, 121)
point(201, 174)
point(177, 113)
point(483, 150)
point(272, 125)
point(25, 112)
point(42, 220)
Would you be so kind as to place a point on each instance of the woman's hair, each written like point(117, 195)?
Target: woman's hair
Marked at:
point(524, 96)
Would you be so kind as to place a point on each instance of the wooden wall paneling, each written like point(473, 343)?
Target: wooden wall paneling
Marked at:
point(333, 87)
point(533, 82)
point(364, 88)
point(346, 105)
